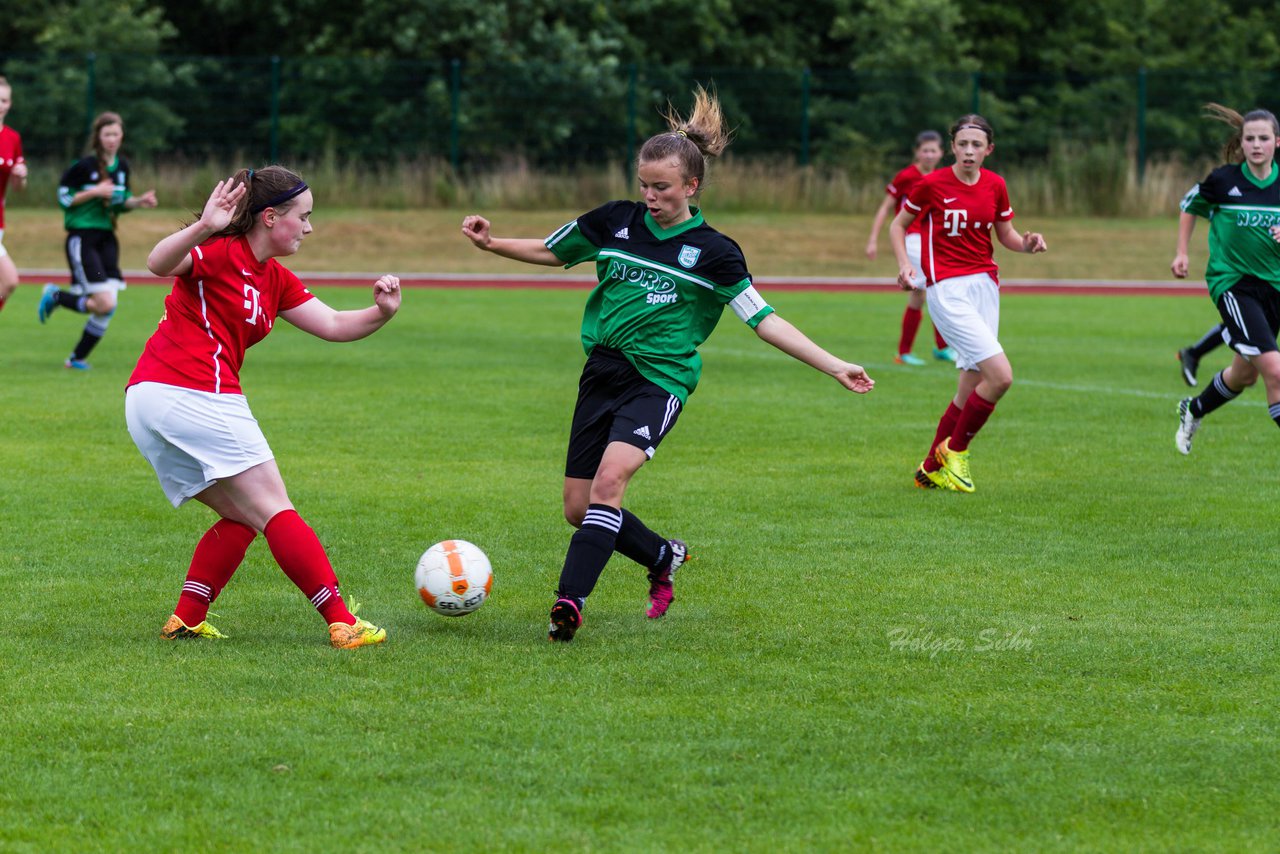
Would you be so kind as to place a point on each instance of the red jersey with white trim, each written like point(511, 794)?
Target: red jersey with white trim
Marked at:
point(225, 305)
point(956, 221)
point(10, 156)
point(900, 187)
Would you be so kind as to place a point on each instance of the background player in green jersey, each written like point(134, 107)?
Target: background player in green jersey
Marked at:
point(1242, 203)
point(93, 192)
point(665, 277)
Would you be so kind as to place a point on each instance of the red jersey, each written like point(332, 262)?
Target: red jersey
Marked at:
point(225, 305)
point(900, 187)
point(956, 221)
point(10, 156)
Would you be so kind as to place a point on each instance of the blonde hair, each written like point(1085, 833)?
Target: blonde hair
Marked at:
point(702, 135)
point(1233, 148)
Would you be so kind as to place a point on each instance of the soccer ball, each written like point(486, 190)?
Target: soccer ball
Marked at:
point(454, 578)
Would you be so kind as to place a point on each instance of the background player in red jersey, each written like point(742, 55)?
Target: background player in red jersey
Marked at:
point(13, 169)
point(958, 207)
point(184, 406)
point(927, 153)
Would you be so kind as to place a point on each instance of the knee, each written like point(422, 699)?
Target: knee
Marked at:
point(574, 514)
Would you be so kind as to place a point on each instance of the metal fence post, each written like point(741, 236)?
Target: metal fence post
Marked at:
point(1142, 123)
point(275, 110)
point(632, 86)
point(804, 117)
point(455, 98)
point(91, 83)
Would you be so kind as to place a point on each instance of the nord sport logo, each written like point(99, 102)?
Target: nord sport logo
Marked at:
point(648, 279)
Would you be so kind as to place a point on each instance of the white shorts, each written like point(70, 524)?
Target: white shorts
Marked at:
point(81, 288)
point(913, 255)
point(966, 310)
point(193, 438)
point(3, 251)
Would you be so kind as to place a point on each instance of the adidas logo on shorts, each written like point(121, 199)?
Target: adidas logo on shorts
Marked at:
point(642, 432)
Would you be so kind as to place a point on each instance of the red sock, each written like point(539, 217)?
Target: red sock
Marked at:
point(217, 556)
point(298, 551)
point(977, 409)
point(938, 339)
point(910, 324)
point(945, 426)
point(2, 300)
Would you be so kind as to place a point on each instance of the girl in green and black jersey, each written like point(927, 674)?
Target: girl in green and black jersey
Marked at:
point(93, 192)
point(665, 277)
point(1241, 200)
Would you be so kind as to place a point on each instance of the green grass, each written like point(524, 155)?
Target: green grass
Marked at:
point(773, 709)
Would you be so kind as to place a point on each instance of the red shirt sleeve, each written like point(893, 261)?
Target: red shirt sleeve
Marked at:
point(1004, 209)
point(292, 292)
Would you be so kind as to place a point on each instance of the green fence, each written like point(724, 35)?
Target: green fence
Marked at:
point(258, 109)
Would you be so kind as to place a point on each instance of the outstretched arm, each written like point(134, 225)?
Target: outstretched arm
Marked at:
point(529, 250)
point(797, 345)
point(881, 215)
point(322, 321)
point(1028, 241)
point(172, 255)
point(1186, 225)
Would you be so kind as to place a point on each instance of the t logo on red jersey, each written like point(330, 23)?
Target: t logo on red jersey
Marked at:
point(251, 304)
point(954, 219)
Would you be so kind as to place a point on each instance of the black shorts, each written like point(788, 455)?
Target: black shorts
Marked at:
point(616, 404)
point(93, 254)
point(1250, 312)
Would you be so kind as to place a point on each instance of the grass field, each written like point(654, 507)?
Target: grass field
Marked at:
point(1079, 656)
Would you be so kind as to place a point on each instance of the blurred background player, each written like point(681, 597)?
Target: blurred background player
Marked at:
point(959, 207)
point(665, 278)
point(13, 169)
point(926, 155)
point(93, 193)
point(1241, 200)
point(186, 412)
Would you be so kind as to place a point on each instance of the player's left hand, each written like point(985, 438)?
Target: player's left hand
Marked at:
point(386, 294)
point(1033, 242)
point(854, 377)
point(147, 199)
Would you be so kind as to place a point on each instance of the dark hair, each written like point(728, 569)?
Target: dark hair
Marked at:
point(4, 81)
point(269, 187)
point(704, 134)
point(95, 145)
point(926, 136)
point(973, 120)
point(1233, 148)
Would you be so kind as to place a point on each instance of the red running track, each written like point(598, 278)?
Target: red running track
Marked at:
point(561, 281)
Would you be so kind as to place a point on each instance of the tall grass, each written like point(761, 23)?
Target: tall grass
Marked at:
point(1074, 180)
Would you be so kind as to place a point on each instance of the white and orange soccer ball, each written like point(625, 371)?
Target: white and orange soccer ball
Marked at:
point(454, 578)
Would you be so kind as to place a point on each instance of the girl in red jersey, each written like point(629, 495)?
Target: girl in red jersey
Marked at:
point(13, 169)
point(927, 153)
point(184, 406)
point(957, 208)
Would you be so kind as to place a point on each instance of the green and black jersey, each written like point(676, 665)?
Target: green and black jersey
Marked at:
point(1241, 211)
point(84, 174)
point(661, 291)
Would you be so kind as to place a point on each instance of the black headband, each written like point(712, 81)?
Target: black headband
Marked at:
point(283, 197)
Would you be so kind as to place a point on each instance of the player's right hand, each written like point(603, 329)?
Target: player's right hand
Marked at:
point(476, 229)
point(906, 277)
point(1179, 265)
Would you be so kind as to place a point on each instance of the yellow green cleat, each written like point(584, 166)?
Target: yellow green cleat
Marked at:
point(175, 629)
point(363, 633)
point(955, 464)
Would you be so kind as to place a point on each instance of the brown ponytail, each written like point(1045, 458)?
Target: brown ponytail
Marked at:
point(704, 134)
point(1233, 148)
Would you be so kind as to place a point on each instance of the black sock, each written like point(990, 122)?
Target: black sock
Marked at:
point(642, 545)
point(66, 299)
point(87, 342)
point(589, 550)
point(1211, 339)
point(1274, 411)
point(1217, 393)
